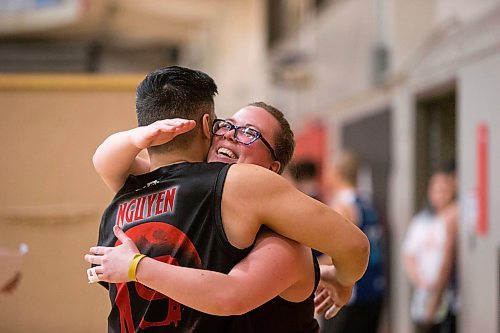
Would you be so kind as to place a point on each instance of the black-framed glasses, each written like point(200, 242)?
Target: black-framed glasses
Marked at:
point(242, 134)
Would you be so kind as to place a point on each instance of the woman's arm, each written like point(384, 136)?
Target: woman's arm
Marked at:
point(410, 250)
point(116, 157)
point(445, 271)
point(272, 267)
point(410, 268)
point(275, 265)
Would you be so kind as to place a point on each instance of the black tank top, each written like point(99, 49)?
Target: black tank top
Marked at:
point(173, 214)
point(281, 316)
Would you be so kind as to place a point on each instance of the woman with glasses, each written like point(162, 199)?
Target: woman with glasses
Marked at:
point(246, 137)
point(279, 275)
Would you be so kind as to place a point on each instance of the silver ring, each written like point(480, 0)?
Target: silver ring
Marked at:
point(92, 275)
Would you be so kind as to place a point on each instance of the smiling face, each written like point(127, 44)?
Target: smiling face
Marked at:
point(226, 149)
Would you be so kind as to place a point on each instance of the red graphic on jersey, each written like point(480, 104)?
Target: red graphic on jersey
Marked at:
point(164, 243)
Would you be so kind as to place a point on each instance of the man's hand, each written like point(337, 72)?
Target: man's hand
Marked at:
point(159, 132)
point(113, 262)
point(331, 296)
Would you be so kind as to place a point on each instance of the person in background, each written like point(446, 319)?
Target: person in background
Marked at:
point(428, 256)
point(305, 175)
point(362, 313)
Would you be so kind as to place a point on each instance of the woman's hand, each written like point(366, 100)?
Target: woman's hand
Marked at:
point(159, 132)
point(112, 263)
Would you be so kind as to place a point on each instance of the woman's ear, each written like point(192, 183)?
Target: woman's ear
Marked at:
point(275, 166)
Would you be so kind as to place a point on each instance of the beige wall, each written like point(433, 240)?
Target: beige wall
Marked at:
point(237, 55)
point(51, 198)
point(463, 10)
point(338, 48)
point(410, 23)
point(479, 254)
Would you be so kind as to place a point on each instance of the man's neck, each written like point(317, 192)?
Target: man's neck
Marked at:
point(159, 160)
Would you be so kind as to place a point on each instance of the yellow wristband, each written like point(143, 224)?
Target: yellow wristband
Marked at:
point(132, 269)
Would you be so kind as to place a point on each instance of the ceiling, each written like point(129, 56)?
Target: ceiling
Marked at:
point(120, 22)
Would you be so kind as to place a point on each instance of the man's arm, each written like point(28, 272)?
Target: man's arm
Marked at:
point(254, 196)
point(116, 157)
point(349, 212)
point(252, 282)
point(330, 295)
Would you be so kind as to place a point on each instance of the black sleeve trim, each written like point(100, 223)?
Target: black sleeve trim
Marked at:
point(222, 238)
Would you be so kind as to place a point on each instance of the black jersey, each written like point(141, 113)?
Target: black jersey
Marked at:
point(173, 214)
point(280, 316)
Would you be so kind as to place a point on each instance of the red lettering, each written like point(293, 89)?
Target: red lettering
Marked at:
point(135, 209)
point(159, 201)
point(168, 205)
point(139, 209)
point(129, 215)
point(151, 199)
point(120, 215)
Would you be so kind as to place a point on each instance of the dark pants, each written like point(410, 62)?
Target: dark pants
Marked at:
point(355, 318)
point(447, 326)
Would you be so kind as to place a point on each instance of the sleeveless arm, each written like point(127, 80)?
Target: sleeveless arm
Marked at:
point(410, 249)
point(116, 157)
point(254, 196)
point(348, 211)
point(445, 270)
point(273, 266)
